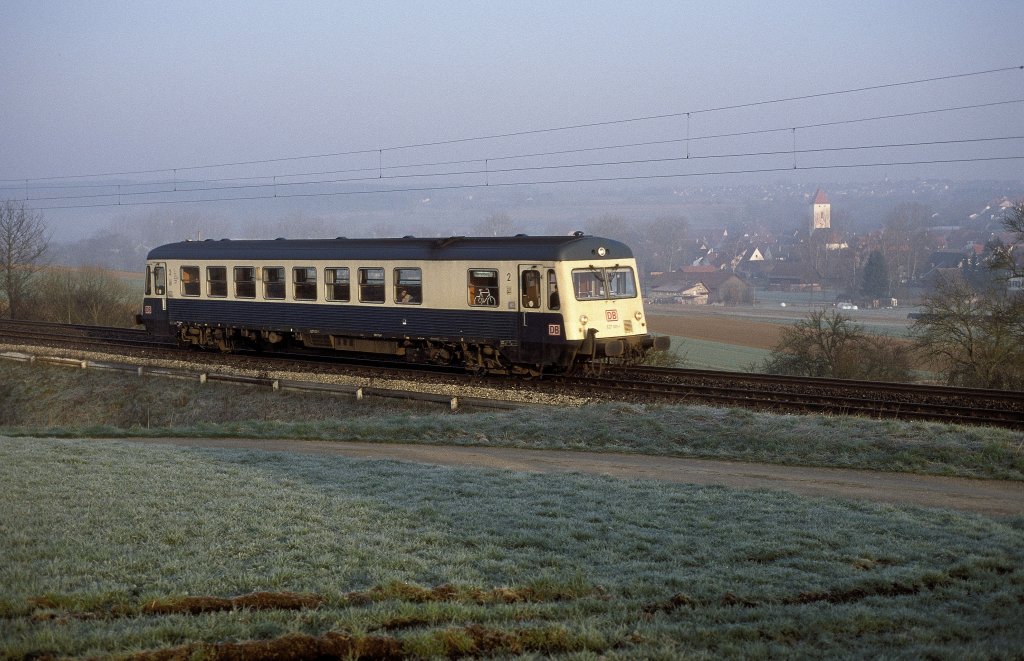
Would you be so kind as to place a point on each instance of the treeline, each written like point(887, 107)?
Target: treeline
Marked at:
point(89, 295)
point(32, 288)
point(969, 333)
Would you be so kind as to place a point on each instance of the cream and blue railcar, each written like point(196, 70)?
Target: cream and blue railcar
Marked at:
point(497, 304)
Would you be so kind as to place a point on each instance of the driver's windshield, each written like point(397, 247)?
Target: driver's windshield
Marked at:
point(603, 283)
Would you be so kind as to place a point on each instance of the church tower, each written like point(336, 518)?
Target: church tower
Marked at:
point(821, 212)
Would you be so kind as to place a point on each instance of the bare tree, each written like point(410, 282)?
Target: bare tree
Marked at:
point(297, 225)
point(661, 243)
point(89, 295)
point(614, 227)
point(905, 243)
point(976, 336)
point(820, 345)
point(23, 241)
point(973, 339)
point(1003, 259)
point(829, 344)
point(498, 224)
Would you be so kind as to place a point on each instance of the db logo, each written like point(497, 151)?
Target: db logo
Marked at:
point(611, 315)
point(147, 309)
point(555, 330)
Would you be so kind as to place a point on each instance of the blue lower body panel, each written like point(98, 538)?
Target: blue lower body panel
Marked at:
point(358, 321)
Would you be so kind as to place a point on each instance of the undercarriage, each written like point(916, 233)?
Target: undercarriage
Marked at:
point(478, 356)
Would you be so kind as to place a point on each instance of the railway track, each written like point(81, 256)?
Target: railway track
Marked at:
point(816, 395)
point(644, 384)
point(44, 332)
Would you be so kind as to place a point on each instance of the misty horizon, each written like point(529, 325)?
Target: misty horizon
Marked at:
point(435, 117)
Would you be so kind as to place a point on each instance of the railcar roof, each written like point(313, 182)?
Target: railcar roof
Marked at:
point(525, 248)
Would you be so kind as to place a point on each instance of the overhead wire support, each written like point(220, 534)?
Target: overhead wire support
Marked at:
point(794, 147)
point(687, 135)
point(675, 175)
point(790, 151)
point(711, 136)
point(545, 130)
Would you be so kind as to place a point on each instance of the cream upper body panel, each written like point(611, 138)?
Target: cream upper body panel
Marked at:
point(612, 308)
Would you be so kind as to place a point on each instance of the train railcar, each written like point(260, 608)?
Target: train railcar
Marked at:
point(523, 304)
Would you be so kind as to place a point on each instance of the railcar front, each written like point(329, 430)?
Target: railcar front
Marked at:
point(603, 309)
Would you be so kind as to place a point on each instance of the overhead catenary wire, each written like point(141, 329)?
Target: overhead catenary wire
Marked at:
point(563, 152)
point(577, 126)
point(487, 171)
point(542, 182)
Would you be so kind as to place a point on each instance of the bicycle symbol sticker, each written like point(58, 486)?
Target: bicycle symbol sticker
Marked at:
point(483, 297)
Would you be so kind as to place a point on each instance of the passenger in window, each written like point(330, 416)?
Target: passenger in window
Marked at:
point(553, 301)
point(190, 280)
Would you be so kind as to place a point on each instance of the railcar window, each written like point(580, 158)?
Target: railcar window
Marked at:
point(190, 281)
point(273, 282)
point(408, 286)
point(337, 282)
point(484, 288)
point(371, 285)
point(149, 280)
point(304, 279)
point(553, 298)
point(588, 284)
point(245, 282)
point(217, 281)
point(159, 280)
point(621, 283)
point(531, 289)
point(604, 283)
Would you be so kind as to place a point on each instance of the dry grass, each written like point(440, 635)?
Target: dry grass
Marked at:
point(57, 401)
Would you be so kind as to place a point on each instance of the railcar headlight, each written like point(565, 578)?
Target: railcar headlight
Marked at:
point(639, 315)
point(602, 251)
point(584, 319)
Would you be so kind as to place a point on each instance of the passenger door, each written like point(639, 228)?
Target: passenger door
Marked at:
point(154, 301)
point(529, 288)
point(156, 285)
point(537, 325)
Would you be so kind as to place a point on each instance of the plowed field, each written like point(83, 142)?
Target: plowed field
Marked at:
point(715, 328)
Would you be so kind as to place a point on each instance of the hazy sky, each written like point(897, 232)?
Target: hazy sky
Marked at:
point(108, 87)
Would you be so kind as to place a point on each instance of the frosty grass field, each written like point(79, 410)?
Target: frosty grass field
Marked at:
point(438, 560)
point(111, 549)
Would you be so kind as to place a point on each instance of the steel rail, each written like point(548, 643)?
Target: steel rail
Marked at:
point(908, 390)
point(759, 391)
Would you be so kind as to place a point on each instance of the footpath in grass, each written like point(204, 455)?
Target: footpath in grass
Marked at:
point(57, 401)
point(118, 549)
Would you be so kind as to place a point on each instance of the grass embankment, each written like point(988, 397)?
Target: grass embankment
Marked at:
point(102, 542)
point(40, 400)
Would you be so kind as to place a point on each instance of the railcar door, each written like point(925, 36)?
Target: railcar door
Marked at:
point(154, 303)
point(541, 332)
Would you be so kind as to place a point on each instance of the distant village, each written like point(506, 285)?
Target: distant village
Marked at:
point(731, 268)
